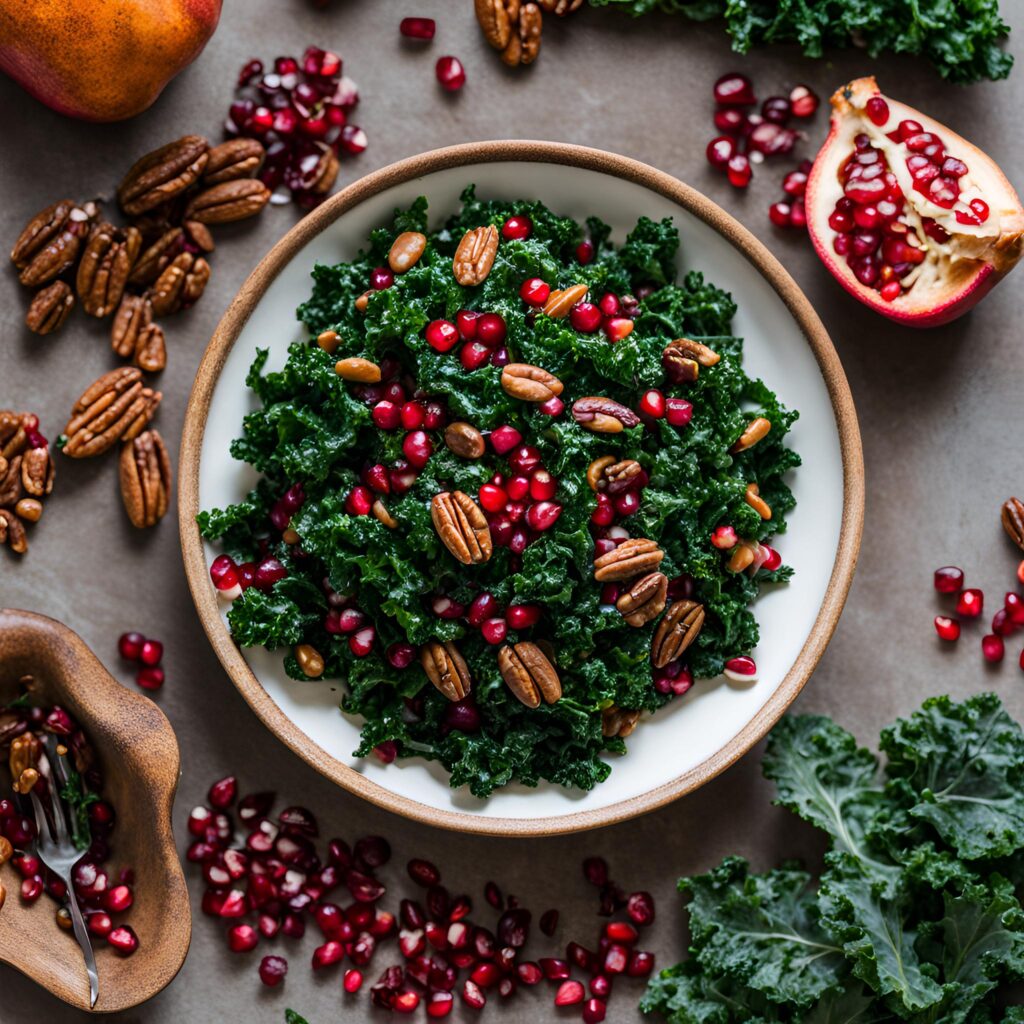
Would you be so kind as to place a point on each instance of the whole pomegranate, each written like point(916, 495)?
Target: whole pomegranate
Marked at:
point(909, 217)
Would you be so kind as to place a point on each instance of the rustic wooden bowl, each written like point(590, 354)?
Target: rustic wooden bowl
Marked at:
point(139, 755)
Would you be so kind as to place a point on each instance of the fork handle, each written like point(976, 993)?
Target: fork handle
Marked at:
point(82, 935)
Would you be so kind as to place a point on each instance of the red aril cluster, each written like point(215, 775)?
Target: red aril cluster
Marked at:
point(747, 137)
point(790, 212)
point(147, 653)
point(270, 877)
point(104, 895)
point(299, 109)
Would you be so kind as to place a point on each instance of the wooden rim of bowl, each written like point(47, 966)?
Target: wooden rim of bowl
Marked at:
point(238, 313)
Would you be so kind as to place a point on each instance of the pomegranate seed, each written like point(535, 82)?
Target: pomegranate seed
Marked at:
point(604, 514)
point(517, 228)
point(947, 628)
point(640, 964)
point(504, 439)
point(569, 993)
point(730, 121)
point(361, 642)
point(242, 938)
point(529, 973)
point(609, 304)
point(152, 651)
point(877, 110)
point(99, 924)
point(640, 908)
point(129, 645)
point(1002, 624)
point(970, 603)
point(535, 291)
point(720, 151)
point(381, 278)
point(618, 327)
point(401, 476)
point(739, 172)
point(803, 101)
point(272, 970)
point(627, 503)
point(387, 415)
point(490, 329)
point(1014, 606)
point(119, 899)
point(585, 317)
point(616, 958)
point(794, 183)
point(949, 579)
point(466, 321)
point(406, 1002)
point(417, 28)
point(554, 970)
point(678, 411)
point(494, 631)
point(622, 932)
point(485, 975)
point(776, 109)
point(417, 448)
point(524, 459)
point(734, 89)
point(522, 616)
point(450, 73)
point(724, 537)
point(150, 678)
point(585, 253)
point(31, 889)
point(492, 497)
point(593, 1011)
point(413, 415)
point(442, 335)
point(440, 1004)
point(353, 980)
point(518, 487)
point(554, 406)
point(595, 871)
point(474, 355)
point(741, 669)
point(223, 573)
point(359, 501)
point(472, 995)
point(543, 515)
point(992, 647)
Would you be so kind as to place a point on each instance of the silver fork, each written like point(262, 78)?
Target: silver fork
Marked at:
point(58, 852)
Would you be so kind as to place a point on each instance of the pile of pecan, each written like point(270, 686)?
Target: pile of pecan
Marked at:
point(26, 476)
point(513, 27)
point(154, 265)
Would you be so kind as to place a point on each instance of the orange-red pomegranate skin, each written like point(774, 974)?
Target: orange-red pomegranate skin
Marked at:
point(101, 60)
point(965, 268)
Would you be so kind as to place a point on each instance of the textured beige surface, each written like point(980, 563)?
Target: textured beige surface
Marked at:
point(940, 415)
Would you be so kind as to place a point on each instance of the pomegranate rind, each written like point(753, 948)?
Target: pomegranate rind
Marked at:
point(958, 273)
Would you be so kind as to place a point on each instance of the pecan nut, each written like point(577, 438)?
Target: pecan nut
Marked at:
point(24, 754)
point(695, 350)
point(50, 308)
point(757, 430)
point(464, 440)
point(37, 472)
point(13, 438)
point(561, 8)
point(155, 259)
point(475, 256)
point(446, 669)
point(29, 509)
point(631, 558)
point(133, 315)
point(163, 174)
point(145, 471)
point(619, 722)
point(106, 263)
point(529, 383)
point(382, 515)
point(236, 158)
point(529, 674)
point(679, 367)
point(595, 472)
point(531, 24)
point(1012, 517)
point(406, 250)
point(311, 661)
point(180, 285)
point(227, 202)
point(361, 371)
point(462, 527)
point(51, 242)
point(561, 301)
point(621, 476)
point(325, 172)
point(11, 486)
point(603, 415)
point(493, 16)
point(752, 496)
point(644, 599)
point(12, 532)
point(199, 235)
point(115, 407)
point(151, 349)
point(676, 631)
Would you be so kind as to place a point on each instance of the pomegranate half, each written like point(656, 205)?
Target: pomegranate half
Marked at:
point(909, 217)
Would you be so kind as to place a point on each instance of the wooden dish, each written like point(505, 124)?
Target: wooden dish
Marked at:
point(139, 755)
point(689, 741)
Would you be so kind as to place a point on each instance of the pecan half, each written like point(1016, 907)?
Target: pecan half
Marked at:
point(531, 24)
point(49, 308)
point(199, 235)
point(462, 526)
point(51, 242)
point(529, 674)
point(493, 17)
point(227, 202)
point(475, 256)
point(381, 513)
point(133, 315)
point(37, 472)
point(115, 407)
point(325, 172)
point(679, 367)
point(154, 260)
point(757, 430)
point(619, 722)
point(42, 228)
point(561, 301)
point(236, 158)
point(529, 383)
point(603, 415)
point(106, 263)
point(24, 754)
point(151, 349)
point(163, 174)
point(644, 599)
point(676, 631)
point(29, 509)
point(446, 669)
point(11, 487)
point(13, 439)
point(595, 472)
point(621, 476)
point(631, 558)
point(362, 371)
point(752, 496)
point(180, 285)
point(1012, 517)
point(406, 250)
point(145, 479)
point(12, 532)
point(464, 440)
point(695, 350)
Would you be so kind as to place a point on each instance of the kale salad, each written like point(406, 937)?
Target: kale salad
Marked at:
point(516, 491)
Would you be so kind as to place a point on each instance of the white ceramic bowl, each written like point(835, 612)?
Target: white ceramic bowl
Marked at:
point(692, 739)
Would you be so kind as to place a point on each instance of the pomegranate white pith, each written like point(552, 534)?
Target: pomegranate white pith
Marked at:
point(922, 240)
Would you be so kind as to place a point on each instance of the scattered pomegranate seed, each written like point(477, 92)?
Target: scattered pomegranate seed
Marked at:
point(129, 645)
point(1014, 607)
point(724, 537)
point(442, 335)
point(585, 253)
point(720, 151)
point(738, 171)
point(947, 628)
point(741, 669)
point(417, 28)
point(970, 603)
point(535, 291)
point(151, 652)
point(678, 411)
point(595, 870)
point(585, 317)
point(472, 995)
point(734, 89)
point(569, 993)
point(517, 228)
point(150, 677)
point(803, 101)
point(992, 647)
point(272, 970)
point(450, 73)
point(617, 327)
